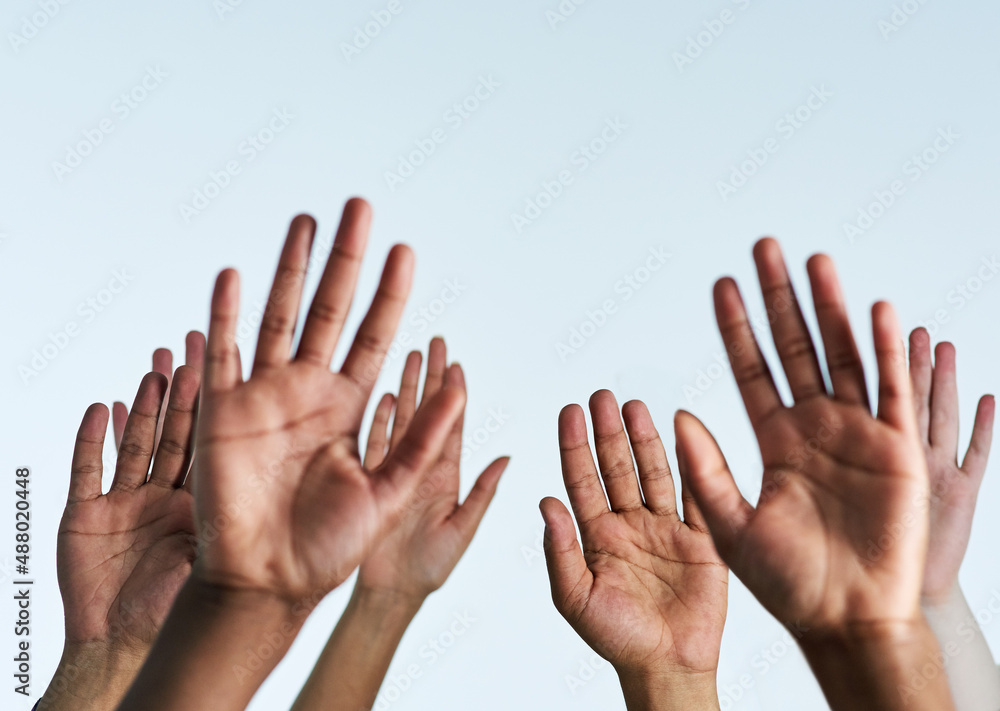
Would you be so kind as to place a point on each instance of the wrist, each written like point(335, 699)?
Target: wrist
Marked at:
point(383, 600)
point(884, 665)
point(92, 675)
point(661, 689)
point(941, 599)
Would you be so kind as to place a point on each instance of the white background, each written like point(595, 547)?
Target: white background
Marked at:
point(355, 117)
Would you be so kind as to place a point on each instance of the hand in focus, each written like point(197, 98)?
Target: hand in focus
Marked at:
point(647, 591)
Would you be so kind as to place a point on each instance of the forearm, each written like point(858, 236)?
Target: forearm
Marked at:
point(662, 691)
point(215, 650)
point(972, 673)
point(890, 667)
point(91, 677)
point(354, 662)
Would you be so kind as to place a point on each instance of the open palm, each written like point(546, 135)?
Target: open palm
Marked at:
point(123, 555)
point(648, 590)
point(839, 533)
point(417, 555)
point(278, 454)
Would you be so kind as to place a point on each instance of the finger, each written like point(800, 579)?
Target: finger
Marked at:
point(843, 361)
point(332, 302)
point(895, 397)
point(791, 335)
point(714, 490)
point(281, 313)
point(173, 453)
point(655, 478)
point(119, 416)
point(88, 455)
point(437, 363)
point(614, 457)
point(693, 516)
point(921, 372)
point(406, 404)
point(469, 515)
point(569, 576)
point(420, 447)
point(194, 350)
point(222, 357)
point(944, 402)
point(974, 463)
point(163, 363)
point(753, 377)
point(378, 434)
point(455, 377)
point(140, 431)
point(579, 473)
point(364, 360)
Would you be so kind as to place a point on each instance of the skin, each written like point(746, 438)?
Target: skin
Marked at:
point(285, 509)
point(413, 560)
point(972, 673)
point(647, 591)
point(123, 555)
point(835, 546)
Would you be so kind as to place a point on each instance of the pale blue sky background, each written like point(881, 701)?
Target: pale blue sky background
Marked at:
point(218, 77)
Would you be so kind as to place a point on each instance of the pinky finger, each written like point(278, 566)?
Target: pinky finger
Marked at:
point(974, 463)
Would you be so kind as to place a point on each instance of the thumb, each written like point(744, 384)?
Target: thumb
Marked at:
point(569, 576)
point(711, 484)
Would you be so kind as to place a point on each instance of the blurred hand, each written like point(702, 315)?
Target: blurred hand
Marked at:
point(837, 540)
point(284, 505)
point(419, 553)
point(953, 488)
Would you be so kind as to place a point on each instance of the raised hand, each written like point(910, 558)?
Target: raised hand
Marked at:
point(415, 557)
point(837, 540)
point(123, 555)
point(283, 447)
point(953, 487)
point(648, 591)
point(420, 552)
point(975, 682)
point(285, 509)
